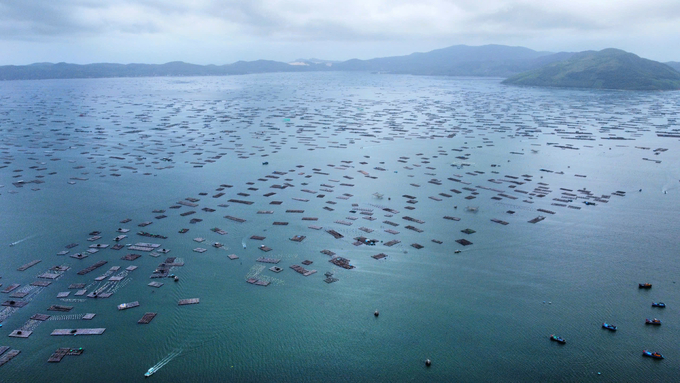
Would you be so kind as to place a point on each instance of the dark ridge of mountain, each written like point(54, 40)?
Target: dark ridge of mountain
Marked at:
point(458, 60)
point(607, 69)
point(176, 68)
point(674, 64)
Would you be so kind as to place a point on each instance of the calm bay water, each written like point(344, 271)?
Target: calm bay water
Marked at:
point(481, 314)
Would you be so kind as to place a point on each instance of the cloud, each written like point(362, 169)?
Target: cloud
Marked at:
point(206, 24)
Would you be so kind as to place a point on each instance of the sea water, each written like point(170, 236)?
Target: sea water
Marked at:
point(483, 313)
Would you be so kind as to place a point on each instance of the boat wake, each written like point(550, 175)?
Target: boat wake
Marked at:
point(21, 240)
point(163, 362)
point(243, 242)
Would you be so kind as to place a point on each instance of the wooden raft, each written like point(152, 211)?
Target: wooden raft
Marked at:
point(78, 331)
point(189, 301)
point(148, 317)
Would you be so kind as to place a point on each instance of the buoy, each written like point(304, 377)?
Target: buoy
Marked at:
point(376, 313)
point(428, 362)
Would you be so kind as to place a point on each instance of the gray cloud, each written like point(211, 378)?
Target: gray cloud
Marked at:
point(269, 25)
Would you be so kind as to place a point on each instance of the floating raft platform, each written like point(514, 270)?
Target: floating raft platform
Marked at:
point(236, 219)
point(268, 260)
point(147, 318)
point(537, 219)
point(298, 238)
point(90, 268)
point(11, 287)
point(60, 308)
point(8, 356)
point(188, 301)
point(258, 282)
point(302, 270)
point(498, 221)
point(257, 237)
point(379, 256)
point(464, 242)
point(78, 331)
point(417, 230)
point(341, 262)
point(155, 284)
point(265, 248)
point(29, 264)
point(334, 233)
point(20, 334)
point(62, 352)
point(240, 201)
point(392, 242)
point(125, 306)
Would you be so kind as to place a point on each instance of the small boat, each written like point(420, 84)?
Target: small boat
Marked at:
point(609, 327)
point(650, 354)
point(558, 339)
point(150, 372)
point(176, 278)
point(265, 163)
point(658, 304)
point(653, 321)
point(645, 285)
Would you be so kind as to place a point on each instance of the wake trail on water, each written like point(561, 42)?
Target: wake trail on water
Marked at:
point(21, 240)
point(175, 353)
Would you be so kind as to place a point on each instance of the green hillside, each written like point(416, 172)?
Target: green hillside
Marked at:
point(606, 69)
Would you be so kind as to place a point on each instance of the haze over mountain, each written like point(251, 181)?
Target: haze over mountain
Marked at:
point(606, 69)
point(610, 68)
point(459, 60)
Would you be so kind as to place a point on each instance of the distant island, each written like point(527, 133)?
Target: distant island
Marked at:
point(607, 69)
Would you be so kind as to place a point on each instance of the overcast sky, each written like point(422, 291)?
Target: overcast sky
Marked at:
point(224, 31)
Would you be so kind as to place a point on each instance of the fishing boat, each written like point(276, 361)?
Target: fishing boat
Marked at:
point(653, 321)
point(650, 354)
point(557, 339)
point(658, 304)
point(150, 372)
point(645, 285)
point(609, 327)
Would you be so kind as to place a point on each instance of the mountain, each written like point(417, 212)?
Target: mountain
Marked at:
point(674, 64)
point(176, 68)
point(606, 69)
point(458, 60)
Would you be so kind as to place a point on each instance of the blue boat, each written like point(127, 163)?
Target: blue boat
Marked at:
point(658, 304)
point(650, 354)
point(557, 339)
point(609, 327)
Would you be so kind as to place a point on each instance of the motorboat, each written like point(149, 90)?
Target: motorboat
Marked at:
point(653, 321)
point(557, 339)
point(658, 304)
point(609, 327)
point(645, 285)
point(650, 354)
point(150, 372)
